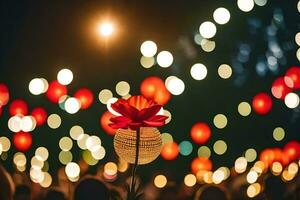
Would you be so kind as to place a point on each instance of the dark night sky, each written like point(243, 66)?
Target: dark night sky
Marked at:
point(38, 38)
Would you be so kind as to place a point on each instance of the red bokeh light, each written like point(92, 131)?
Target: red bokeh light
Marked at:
point(105, 121)
point(262, 103)
point(170, 151)
point(279, 88)
point(56, 91)
point(200, 133)
point(201, 163)
point(85, 97)
point(40, 115)
point(22, 141)
point(293, 74)
point(18, 107)
point(4, 94)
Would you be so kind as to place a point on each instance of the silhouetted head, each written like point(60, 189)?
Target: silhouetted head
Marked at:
point(212, 193)
point(6, 185)
point(55, 195)
point(91, 189)
point(275, 188)
point(22, 192)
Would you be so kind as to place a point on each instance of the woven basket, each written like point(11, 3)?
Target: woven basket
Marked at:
point(149, 147)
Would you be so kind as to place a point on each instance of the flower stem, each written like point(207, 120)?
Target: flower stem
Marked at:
point(132, 189)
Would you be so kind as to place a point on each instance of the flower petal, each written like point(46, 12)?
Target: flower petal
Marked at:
point(147, 113)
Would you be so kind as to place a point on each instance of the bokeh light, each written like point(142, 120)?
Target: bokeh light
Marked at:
point(207, 29)
point(110, 168)
point(291, 100)
point(225, 71)
point(5, 143)
point(190, 180)
point(175, 85)
point(278, 134)
point(220, 147)
point(148, 48)
point(240, 165)
point(245, 5)
point(37, 86)
point(166, 138)
point(54, 121)
point(251, 155)
point(204, 151)
point(65, 76)
point(72, 170)
point(72, 105)
point(185, 148)
point(147, 62)
point(164, 59)
point(220, 121)
point(65, 144)
point(76, 132)
point(160, 181)
point(106, 29)
point(122, 88)
point(208, 45)
point(252, 177)
point(105, 95)
point(42, 153)
point(65, 157)
point(221, 15)
point(198, 71)
point(260, 2)
point(253, 190)
point(244, 109)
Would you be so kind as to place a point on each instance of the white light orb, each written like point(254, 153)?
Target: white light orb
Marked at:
point(291, 100)
point(76, 132)
point(93, 143)
point(42, 153)
point(207, 29)
point(14, 124)
point(198, 71)
point(72, 105)
point(105, 95)
point(72, 170)
point(99, 153)
point(245, 5)
point(164, 59)
point(28, 123)
point(148, 48)
point(106, 29)
point(36, 86)
point(65, 76)
point(260, 2)
point(175, 85)
point(221, 15)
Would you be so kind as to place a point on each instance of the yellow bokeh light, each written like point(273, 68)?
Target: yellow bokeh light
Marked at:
point(252, 177)
point(160, 181)
point(198, 71)
point(240, 165)
point(244, 109)
point(147, 62)
point(88, 158)
point(208, 45)
point(65, 144)
point(82, 142)
point(105, 95)
point(190, 180)
point(220, 147)
point(204, 151)
point(54, 121)
point(286, 176)
point(93, 143)
point(76, 132)
point(253, 190)
point(221, 15)
point(220, 121)
point(5, 143)
point(148, 48)
point(110, 168)
point(245, 5)
point(122, 166)
point(47, 181)
point(278, 134)
point(298, 54)
point(65, 157)
point(297, 38)
point(166, 138)
point(99, 153)
point(293, 168)
point(208, 177)
point(122, 88)
point(19, 159)
point(276, 168)
point(225, 71)
point(218, 176)
point(250, 155)
point(42, 153)
point(36, 163)
point(207, 29)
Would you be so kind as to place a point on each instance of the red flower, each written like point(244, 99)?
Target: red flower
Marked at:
point(137, 111)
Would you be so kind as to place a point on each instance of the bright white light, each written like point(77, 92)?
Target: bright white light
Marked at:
point(221, 15)
point(208, 29)
point(14, 124)
point(291, 100)
point(36, 86)
point(109, 108)
point(106, 29)
point(72, 105)
point(148, 48)
point(260, 2)
point(65, 76)
point(92, 143)
point(164, 59)
point(28, 123)
point(175, 85)
point(72, 170)
point(98, 153)
point(252, 177)
point(198, 71)
point(245, 5)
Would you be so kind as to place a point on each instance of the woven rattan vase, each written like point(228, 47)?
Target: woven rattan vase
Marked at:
point(149, 147)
